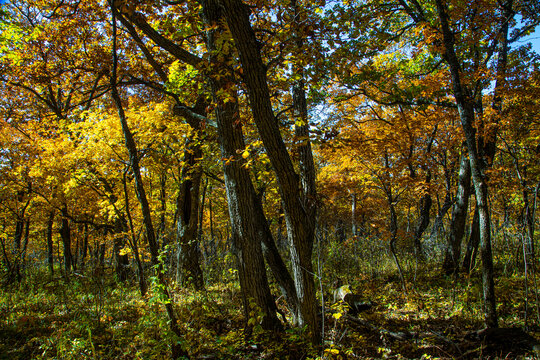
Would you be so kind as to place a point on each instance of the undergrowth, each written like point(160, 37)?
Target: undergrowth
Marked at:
point(97, 318)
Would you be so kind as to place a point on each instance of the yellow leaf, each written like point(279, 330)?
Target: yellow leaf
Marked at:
point(245, 154)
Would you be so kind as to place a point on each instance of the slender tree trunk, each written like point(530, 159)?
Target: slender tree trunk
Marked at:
point(423, 223)
point(353, 215)
point(438, 223)
point(177, 350)
point(528, 222)
point(393, 238)
point(75, 254)
point(211, 219)
point(393, 224)
point(49, 236)
point(17, 238)
point(201, 212)
point(84, 248)
point(306, 167)
point(65, 235)
point(459, 217)
point(469, 259)
point(25, 244)
point(163, 208)
point(425, 203)
point(275, 261)
point(15, 269)
point(134, 242)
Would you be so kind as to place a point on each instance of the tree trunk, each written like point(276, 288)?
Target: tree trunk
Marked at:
point(25, 244)
point(293, 188)
point(65, 235)
point(465, 105)
point(459, 217)
point(423, 223)
point(353, 215)
point(188, 268)
point(75, 254)
point(275, 261)
point(162, 241)
point(15, 269)
point(177, 350)
point(133, 243)
point(201, 212)
point(241, 195)
point(84, 248)
point(469, 259)
point(17, 238)
point(49, 236)
point(438, 223)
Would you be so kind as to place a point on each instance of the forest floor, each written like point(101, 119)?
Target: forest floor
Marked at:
point(96, 318)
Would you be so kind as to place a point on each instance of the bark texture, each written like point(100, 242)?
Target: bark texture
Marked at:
point(459, 217)
point(65, 235)
point(465, 104)
point(189, 271)
point(297, 206)
point(241, 197)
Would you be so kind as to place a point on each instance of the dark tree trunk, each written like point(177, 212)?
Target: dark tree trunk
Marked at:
point(189, 272)
point(65, 235)
point(425, 203)
point(239, 188)
point(469, 259)
point(15, 269)
point(294, 189)
point(17, 238)
point(101, 255)
point(162, 241)
point(275, 261)
point(25, 244)
point(438, 223)
point(75, 254)
point(393, 224)
point(177, 350)
point(529, 221)
point(459, 217)
point(49, 236)
point(134, 242)
point(84, 248)
point(465, 104)
point(423, 223)
point(341, 235)
point(201, 212)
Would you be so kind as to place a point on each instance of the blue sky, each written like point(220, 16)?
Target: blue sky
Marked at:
point(534, 39)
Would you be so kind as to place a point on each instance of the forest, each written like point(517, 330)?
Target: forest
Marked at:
point(269, 179)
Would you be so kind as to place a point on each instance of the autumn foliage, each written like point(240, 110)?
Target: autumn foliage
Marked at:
point(196, 178)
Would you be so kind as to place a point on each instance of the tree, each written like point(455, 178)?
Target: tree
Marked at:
point(297, 203)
